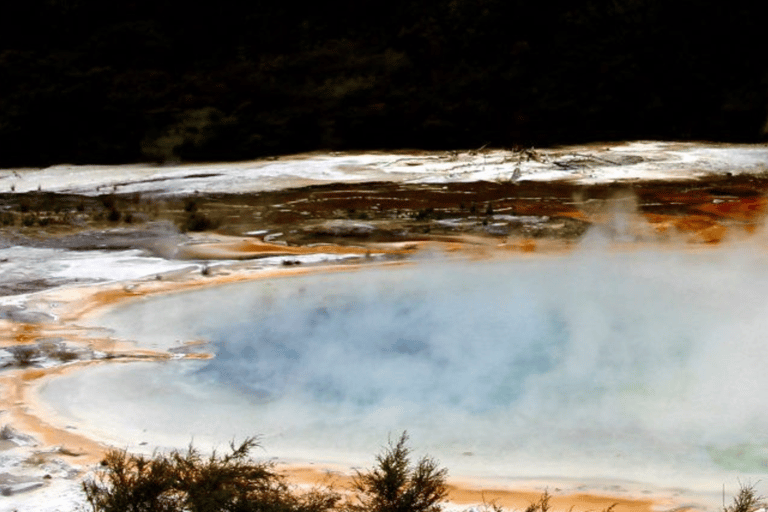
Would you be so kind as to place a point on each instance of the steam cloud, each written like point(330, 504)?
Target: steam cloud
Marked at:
point(629, 363)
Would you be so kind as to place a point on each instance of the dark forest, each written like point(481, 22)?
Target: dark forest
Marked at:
point(89, 81)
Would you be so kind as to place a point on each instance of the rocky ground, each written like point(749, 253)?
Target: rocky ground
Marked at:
point(60, 248)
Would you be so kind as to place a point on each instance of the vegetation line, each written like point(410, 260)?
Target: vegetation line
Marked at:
point(186, 481)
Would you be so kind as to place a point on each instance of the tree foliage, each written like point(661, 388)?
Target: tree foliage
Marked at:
point(190, 482)
point(233, 482)
point(397, 485)
point(89, 81)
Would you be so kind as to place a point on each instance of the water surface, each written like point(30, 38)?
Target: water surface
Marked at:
point(643, 366)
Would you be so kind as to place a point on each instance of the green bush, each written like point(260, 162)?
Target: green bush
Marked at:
point(395, 485)
point(234, 482)
point(131, 483)
point(189, 482)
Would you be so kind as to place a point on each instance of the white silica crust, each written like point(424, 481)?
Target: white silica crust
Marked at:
point(643, 160)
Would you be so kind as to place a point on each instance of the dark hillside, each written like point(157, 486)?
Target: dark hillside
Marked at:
point(93, 81)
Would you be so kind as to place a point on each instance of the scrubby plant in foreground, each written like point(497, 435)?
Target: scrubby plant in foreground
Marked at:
point(395, 485)
point(190, 482)
point(234, 482)
point(747, 500)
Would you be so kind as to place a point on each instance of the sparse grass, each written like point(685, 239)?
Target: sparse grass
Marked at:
point(489, 507)
point(542, 505)
point(424, 214)
point(64, 212)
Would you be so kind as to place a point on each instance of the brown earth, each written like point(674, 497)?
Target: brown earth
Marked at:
point(699, 210)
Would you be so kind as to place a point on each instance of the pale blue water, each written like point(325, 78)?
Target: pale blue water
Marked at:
point(642, 366)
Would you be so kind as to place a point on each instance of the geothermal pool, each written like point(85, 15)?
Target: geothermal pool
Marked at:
point(645, 366)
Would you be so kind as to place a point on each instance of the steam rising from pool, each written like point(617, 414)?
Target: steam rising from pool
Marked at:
point(644, 365)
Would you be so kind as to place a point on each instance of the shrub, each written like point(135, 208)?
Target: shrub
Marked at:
point(131, 483)
point(395, 485)
point(747, 500)
point(24, 355)
point(197, 221)
point(114, 215)
point(190, 482)
point(63, 354)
